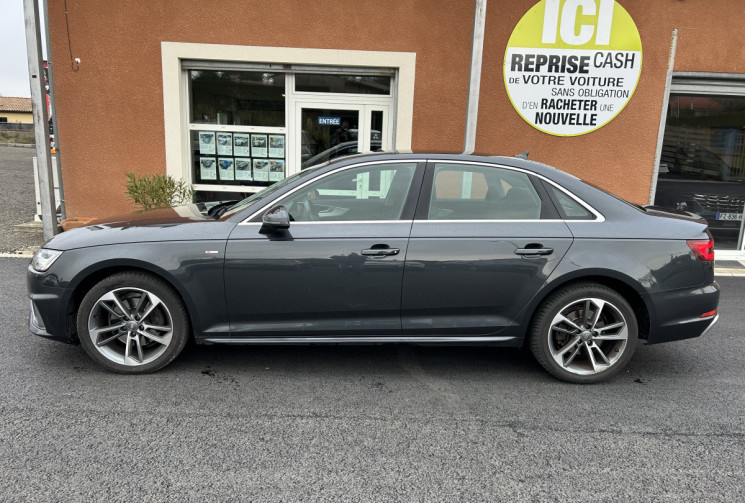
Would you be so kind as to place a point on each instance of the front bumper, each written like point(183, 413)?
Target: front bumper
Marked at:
point(47, 314)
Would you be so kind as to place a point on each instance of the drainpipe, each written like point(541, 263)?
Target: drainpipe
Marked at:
point(41, 119)
point(474, 81)
point(63, 212)
point(663, 114)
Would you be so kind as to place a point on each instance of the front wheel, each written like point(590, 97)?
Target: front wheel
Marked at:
point(132, 323)
point(584, 333)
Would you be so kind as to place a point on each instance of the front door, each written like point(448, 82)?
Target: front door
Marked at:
point(339, 267)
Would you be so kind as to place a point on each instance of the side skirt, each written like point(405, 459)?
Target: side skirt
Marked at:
point(357, 340)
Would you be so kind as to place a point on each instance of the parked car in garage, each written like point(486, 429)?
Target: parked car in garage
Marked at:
point(399, 248)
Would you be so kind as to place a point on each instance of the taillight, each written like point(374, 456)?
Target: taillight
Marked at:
point(702, 248)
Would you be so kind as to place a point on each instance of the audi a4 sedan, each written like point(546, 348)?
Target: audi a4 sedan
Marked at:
point(399, 248)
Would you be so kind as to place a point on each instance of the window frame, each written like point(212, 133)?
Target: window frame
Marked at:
point(549, 213)
point(179, 57)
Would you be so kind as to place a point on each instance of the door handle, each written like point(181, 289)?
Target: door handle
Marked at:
point(534, 251)
point(380, 252)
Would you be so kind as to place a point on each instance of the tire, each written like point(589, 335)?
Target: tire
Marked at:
point(584, 333)
point(132, 323)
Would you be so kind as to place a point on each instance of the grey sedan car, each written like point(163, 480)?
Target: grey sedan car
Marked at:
point(399, 248)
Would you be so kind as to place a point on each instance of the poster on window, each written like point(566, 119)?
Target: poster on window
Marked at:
point(261, 170)
point(207, 142)
point(277, 145)
point(243, 169)
point(241, 145)
point(258, 145)
point(208, 168)
point(226, 169)
point(276, 170)
point(224, 143)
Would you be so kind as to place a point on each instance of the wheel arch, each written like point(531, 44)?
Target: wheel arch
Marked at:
point(86, 279)
point(629, 289)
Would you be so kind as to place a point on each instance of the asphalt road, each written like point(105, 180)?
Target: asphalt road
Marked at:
point(369, 423)
point(17, 199)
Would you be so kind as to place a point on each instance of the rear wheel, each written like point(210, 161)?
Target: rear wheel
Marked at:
point(132, 323)
point(584, 333)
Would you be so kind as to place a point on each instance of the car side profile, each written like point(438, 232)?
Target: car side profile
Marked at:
point(400, 248)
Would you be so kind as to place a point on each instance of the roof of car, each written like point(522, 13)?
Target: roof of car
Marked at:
point(512, 161)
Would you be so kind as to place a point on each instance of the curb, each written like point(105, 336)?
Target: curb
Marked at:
point(22, 145)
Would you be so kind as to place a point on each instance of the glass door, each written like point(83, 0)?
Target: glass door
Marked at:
point(702, 166)
point(327, 131)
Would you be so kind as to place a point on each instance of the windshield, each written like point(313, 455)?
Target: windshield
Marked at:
point(263, 194)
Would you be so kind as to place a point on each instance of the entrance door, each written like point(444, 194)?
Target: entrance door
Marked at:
point(327, 131)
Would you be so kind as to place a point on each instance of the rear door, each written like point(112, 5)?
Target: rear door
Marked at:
point(484, 240)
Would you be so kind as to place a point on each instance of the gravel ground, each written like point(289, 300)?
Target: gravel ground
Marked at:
point(18, 200)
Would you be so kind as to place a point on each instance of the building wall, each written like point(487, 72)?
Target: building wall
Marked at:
point(619, 156)
point(18, 117)
point(110, 111)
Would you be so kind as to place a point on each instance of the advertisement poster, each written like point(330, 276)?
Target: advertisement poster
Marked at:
point(243, 168)
point(276, 170)
point(241, 145)
point(276, 145)
point(207, 142)
point(207, 168)
point(224, 143)
point(261, 170)
point(570, 67)
point(258, 145)
point(226, 169)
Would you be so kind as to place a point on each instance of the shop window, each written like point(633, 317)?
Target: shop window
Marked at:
point(465, 192)
point(237, 98)
point(344, 84)
point(702, 165)
point(252, 150)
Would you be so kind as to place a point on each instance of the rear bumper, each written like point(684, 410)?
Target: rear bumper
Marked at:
point(678, 314)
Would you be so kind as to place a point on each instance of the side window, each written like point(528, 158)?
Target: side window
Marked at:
point(568, 207)
point(473, 192)
point(376, 192)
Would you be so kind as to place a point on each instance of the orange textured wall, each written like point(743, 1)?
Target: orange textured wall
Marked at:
point(110, 112)
point(619, 156)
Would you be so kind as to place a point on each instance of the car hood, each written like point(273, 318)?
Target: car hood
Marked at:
point(183, 223)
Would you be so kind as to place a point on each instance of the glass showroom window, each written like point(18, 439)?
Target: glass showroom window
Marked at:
point(702, 166)
point(237, 128)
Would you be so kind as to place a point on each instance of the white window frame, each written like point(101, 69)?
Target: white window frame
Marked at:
point(176, 92)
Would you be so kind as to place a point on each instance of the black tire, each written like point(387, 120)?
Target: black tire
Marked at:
point(584, 333)
point(127, 342)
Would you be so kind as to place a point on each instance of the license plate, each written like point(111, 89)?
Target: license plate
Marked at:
point(729, 216)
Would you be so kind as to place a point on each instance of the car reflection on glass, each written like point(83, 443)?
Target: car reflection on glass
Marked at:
point(692, 178)
point(387, 248)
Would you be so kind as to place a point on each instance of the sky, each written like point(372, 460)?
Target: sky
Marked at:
point(13, 60)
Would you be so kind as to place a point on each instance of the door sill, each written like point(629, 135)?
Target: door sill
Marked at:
point(352, 339)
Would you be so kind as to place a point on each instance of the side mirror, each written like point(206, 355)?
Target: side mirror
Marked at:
point(276, 218)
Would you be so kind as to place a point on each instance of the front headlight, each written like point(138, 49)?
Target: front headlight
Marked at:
point(44, 258)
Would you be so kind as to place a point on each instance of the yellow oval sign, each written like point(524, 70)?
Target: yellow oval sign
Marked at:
point(571, 66)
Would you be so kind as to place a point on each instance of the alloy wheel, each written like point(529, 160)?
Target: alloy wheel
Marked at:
point(588, 336)
point(130, 326)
